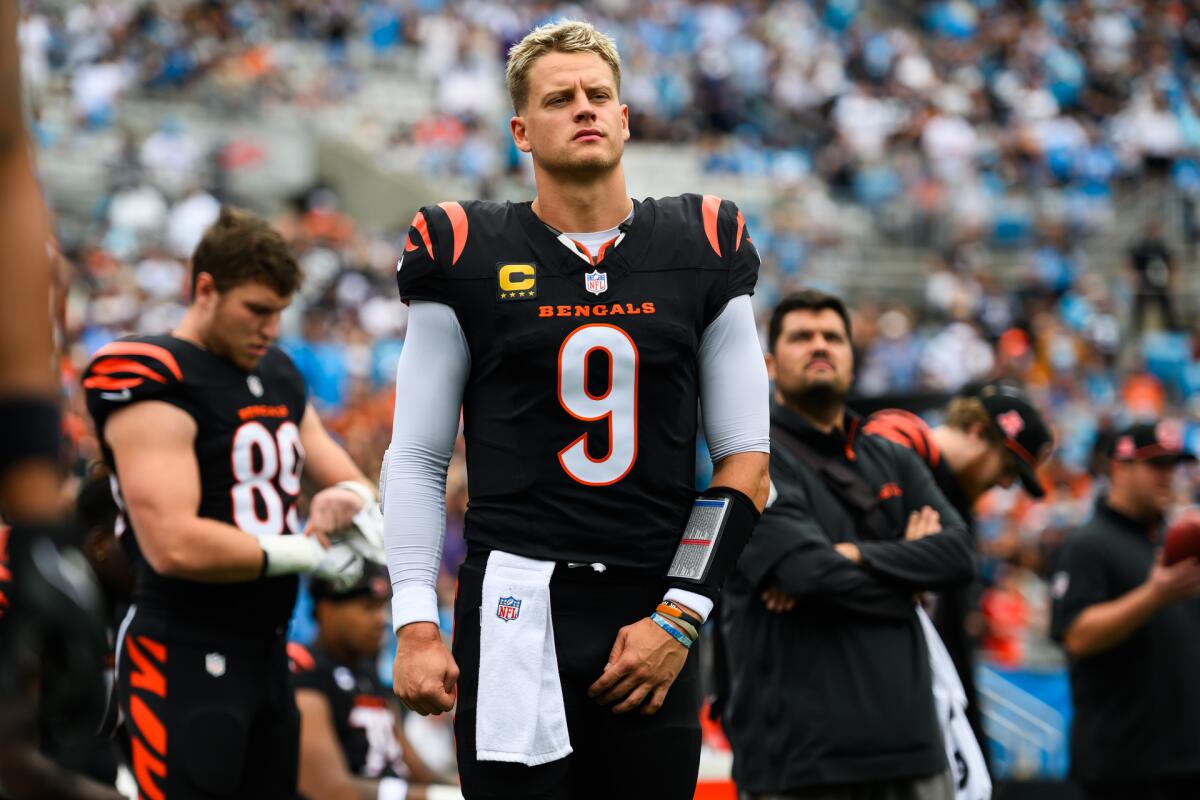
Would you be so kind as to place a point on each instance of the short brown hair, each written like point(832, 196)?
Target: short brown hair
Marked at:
point(241, 247)
point(963, 412)
point(805, 300)
point(565, 36)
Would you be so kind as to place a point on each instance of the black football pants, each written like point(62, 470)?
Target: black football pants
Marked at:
point(208, 718)
point(626, 756)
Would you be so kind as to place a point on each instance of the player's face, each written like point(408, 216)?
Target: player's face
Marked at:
point(989, 463)
point(245, 322)
point(360, 624)
point(812, 355)
point(1150, 483)
point(572, 123)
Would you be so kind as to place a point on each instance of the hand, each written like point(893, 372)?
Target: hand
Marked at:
point(849, 550)
point(1180, 581)
point(925, 522)
point(340, 564)
point(330, 510)
point(643, 663)
point(424, 673)
point(777, 600)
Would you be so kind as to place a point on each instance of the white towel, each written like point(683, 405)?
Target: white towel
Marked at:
point(520, 715)
point(967, 765)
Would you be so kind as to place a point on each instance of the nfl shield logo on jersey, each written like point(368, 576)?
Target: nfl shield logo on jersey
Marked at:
point(596, 282)
point(254, 384)
point(214, 664)
point(508, 609)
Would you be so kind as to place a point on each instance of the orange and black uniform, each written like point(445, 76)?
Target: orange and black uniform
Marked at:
point(580, 417)
point(953, 605)
point(362, 709)
point(202, 675)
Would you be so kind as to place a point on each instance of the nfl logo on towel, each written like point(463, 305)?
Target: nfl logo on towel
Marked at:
point(508, 608)
point(596, 282)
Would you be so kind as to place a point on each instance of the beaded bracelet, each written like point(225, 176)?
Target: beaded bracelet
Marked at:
point(677, 634)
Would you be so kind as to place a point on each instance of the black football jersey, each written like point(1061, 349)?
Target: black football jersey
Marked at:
point(250, 457)
point(363, 714)
point(580, 409)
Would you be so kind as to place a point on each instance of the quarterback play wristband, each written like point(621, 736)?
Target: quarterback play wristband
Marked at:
point(717, 530)
point(676, 634)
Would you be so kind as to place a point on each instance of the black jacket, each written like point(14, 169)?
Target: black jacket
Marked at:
point(837, 690)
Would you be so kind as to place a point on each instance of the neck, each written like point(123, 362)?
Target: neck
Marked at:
point(1123, 503)
point(949, 444)
point(825, 418)
point(191, 328)
point(584, 206)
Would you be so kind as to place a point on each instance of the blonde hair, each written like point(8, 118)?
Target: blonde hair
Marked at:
point(963, 412)
point(566, 36)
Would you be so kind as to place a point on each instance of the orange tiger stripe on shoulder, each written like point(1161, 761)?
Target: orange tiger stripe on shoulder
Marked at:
point(301, 659)
point(458, 227)
point(906, 429)
point(741, 229)
point(145, 765)
point(421, 226)
point(160, 354)
point(708, 211)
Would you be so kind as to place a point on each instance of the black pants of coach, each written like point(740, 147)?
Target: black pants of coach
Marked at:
point(208, 717)
point(1181, 787)
point(628, 756)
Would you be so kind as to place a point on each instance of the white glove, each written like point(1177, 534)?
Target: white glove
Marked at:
point(340, 564)
point(364, 534)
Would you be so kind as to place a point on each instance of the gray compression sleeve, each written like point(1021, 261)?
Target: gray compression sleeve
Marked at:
point(430, 378)
point(734, 392)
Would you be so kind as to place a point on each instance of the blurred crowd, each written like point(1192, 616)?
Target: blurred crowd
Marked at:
point(978, 132)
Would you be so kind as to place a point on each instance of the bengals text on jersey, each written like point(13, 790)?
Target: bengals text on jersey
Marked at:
point(581, 408)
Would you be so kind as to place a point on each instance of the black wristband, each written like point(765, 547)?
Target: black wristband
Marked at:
point(30, 428)
point(716, 550)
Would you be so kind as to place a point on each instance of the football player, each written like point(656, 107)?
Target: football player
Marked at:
point(350, 742)
point(578, 333)
point(208, 433)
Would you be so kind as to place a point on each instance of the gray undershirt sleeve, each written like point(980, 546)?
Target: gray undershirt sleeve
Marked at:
point(734, 391)
point(430, 379)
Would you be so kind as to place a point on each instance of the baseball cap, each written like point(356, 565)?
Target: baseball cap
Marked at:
point(373, 583)
point(1025, 433)
point(1156, 442)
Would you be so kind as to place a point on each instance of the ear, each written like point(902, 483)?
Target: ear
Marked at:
point(770, 359)
point(625, 122)
point(206, 289)
point(519, 134)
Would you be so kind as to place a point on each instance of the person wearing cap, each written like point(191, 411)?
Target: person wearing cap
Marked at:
point(991, 436)
point(351, 744)
point(1131, 627)
point(830, 686)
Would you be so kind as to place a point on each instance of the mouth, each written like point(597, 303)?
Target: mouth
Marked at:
point(820, 362)
point(588, 135)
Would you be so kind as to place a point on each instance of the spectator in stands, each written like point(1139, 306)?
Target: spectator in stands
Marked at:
point(1154, 276)
point(352, 743)
point(1129, 623)
point(831, 688)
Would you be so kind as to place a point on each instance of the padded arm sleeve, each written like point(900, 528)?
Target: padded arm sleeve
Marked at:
point(430, 378)
point(734, 392)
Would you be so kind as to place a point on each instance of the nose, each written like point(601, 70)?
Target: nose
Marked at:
point(270, 326)
point(584, 110)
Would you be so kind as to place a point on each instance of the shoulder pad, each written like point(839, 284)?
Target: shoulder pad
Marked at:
point(129, 370)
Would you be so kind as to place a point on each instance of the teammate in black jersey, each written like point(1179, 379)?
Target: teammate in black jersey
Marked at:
point(351, 742)
point(579, 360)
point(208, 433)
